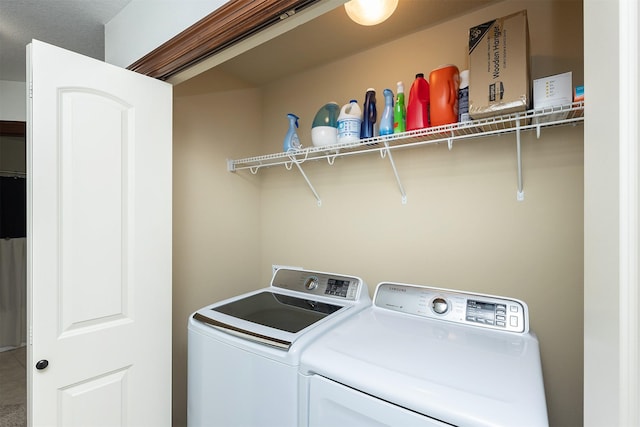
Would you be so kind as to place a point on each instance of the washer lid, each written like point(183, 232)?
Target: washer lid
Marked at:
point(279, 311)
point(277, 319)
point(283, 316)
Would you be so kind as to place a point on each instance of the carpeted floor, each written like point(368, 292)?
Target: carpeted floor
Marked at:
point(13, 388)
point(13, 415)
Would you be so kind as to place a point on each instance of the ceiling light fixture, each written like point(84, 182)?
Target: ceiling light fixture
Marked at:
point(370, 12)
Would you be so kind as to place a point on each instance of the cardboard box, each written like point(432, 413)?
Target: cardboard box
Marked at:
point(499, 70)
point(553, 91)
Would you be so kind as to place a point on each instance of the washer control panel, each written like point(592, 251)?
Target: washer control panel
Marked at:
point(485, 311)
point(317, 283)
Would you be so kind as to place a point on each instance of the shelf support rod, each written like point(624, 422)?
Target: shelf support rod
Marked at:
point(313, 190)
point(395, 172)
point(520, 193)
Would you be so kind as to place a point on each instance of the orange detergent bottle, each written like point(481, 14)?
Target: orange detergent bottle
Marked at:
point(443, 86)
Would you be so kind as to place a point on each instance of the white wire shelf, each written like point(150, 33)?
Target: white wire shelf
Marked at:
point(510, 123)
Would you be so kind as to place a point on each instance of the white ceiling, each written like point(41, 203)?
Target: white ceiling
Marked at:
point(333, 35)
point(324, 39)
point(76, 25)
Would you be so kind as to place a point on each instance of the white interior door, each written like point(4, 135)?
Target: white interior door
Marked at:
point(99, 243)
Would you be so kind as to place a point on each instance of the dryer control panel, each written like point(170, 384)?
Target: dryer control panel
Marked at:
point(316, 283)
point(485, 311)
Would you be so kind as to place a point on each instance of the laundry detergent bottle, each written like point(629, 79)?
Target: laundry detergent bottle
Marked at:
point(386, 121)
point(444, 83)
point(418, 106)
point(291, 140)
point(399, 111)
point(369, 115)
point(463, 97)
point(349, 122)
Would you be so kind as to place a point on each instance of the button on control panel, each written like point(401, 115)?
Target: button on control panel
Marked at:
point(486, 311)
point(502, 314)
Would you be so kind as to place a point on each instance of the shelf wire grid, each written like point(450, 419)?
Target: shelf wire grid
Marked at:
point(528, 120)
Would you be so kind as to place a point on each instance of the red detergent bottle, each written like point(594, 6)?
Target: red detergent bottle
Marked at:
point(418, 106)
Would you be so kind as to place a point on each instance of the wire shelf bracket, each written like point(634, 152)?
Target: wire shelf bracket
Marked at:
point(306, 178)
point(387, 153)
point(520, 193)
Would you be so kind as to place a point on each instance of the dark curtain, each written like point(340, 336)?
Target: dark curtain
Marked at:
point(13, 207)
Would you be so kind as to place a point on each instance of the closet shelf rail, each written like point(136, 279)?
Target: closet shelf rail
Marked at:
point(536, 119)
point(529, 120)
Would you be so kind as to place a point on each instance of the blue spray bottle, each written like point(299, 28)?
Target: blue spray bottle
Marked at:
point(291, 140)
point(386, 121)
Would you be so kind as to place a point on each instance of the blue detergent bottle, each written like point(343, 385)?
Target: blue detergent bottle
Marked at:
point(369, 115)
point(291, 140)
point(386, 121)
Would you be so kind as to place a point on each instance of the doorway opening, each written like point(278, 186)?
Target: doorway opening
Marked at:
point(13, 278)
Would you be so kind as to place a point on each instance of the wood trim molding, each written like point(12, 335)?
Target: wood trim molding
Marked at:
point(231, 23)
point(11, 128)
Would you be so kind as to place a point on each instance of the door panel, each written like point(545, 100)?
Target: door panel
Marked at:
point(99, 230)
point(93, 159)
point(80, 401)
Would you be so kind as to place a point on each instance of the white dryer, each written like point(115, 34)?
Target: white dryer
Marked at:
point(244, 352)
point(423, 356)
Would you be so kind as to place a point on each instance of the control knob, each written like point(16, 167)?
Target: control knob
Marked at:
point(311, 283)
point(440, 305)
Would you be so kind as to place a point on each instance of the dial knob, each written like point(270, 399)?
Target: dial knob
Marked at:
point(311, 283)
point(440, 305)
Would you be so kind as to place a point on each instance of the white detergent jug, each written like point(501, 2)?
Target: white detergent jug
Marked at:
point(349, 122)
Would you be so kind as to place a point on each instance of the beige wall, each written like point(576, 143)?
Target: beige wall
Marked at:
point(216, 214)
point(461, 228)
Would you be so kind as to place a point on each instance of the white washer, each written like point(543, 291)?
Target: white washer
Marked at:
point(244, 352)
point(423, 356)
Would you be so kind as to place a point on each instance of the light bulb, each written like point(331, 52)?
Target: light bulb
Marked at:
point(370, 12)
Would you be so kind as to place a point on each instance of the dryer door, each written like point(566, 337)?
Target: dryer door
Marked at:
point(333, 404)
